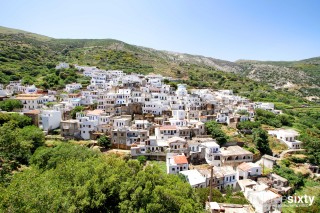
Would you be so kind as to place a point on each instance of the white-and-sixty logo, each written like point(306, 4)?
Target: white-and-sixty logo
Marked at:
point(301, 199)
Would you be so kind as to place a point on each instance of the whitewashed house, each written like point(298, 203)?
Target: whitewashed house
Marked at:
point(288, 137)
point(30, 101)
point(50, 119)
point(260, 196)
point(166, 132)
point(212, 153)
point(248, 170)
point(73, 87)
point(176, 163)
point(88, 122)
point(194, 178)
point(31, 89)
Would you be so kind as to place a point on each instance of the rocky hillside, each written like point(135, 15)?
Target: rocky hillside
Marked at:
point(302, 76)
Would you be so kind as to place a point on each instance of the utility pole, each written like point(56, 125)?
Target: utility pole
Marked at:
point(211, 179)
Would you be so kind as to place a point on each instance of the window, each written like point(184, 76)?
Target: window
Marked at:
point(173, 169)
point(257, 170)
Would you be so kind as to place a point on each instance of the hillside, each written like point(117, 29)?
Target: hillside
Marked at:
point(302, 76)
point(31, 57)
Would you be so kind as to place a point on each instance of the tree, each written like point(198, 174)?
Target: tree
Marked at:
point(247, 125)
point(77, 179)
point(260, 138)
point(75, 110)
point(104, 141)
point(142, 159)
point(214, 129)
point(15, 118)
point(10, 104)
point(16, 146)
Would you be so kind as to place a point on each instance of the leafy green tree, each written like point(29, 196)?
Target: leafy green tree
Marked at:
point(214, 129)
point(16, 119)
point(104, 141)
point(77, 179)
point(142, 159)
point(295, 180)
point(260, 138)
point(75, 110)
point(17, 146)
point(248, 125)
point(10, 104)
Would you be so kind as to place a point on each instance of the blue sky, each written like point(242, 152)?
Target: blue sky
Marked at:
point(225, 29)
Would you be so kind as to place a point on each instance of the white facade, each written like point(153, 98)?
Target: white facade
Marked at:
point(247, 170)
point(195, 179)
point(212, 153)
point(176, 163)
point(50, 119)
point(289, 137)
point(30, 101)
point(72, 87)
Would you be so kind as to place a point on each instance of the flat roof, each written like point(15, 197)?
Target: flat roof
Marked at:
point(210, 144)
point(174, 139)
point(234, 150)
point(168, 128)
point(245, 166)
point(224, 170)
point(95, 112)
point(194, 177)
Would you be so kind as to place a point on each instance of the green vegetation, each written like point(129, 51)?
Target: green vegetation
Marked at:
point(16, 119)
point(18, 141)
point(104, 141)
point(260, 139)
point(10, 105)
point(75, 110)
point(248, 125)
point(217, 196)
point(311, 188)
point(296, 180)
point(271, 119)
point(214, 129)
point(76, 179)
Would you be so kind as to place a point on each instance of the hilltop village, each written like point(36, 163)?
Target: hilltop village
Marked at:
point(148, 116)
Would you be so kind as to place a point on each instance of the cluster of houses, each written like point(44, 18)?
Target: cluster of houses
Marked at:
point(229, 166)
point(142, 114)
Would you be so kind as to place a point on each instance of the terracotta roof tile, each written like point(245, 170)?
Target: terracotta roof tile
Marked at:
point(180, 159)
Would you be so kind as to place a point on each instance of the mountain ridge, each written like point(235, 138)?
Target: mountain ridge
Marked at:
point(302, 76)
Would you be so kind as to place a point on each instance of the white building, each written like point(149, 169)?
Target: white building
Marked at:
point(248, 170)
point(88, 122)
point(287, 136)
point(50, 119)
point(195, 179)
point(181, 90)
point(229, 176)
point(176, 163)
point(30, 101)
point(72, 87)
point(31, 89)
point(62, 65)
point(212, 153)
point(261, 198)
point(166, 132)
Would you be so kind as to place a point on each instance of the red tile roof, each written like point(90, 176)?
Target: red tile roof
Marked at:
point(180, 159)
